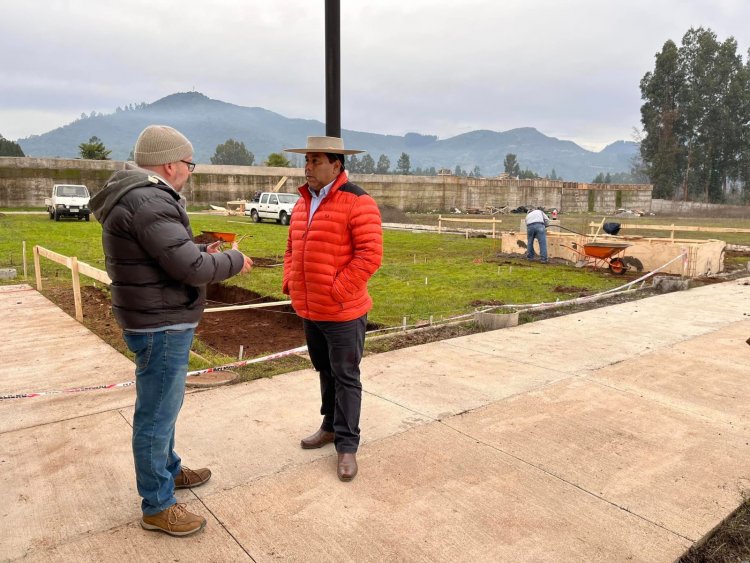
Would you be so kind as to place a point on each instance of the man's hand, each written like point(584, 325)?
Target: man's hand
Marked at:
point(214, 247)
point(248, 265)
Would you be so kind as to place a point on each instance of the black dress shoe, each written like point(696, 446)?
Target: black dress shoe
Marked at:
point(347, 467)
point(317, 440)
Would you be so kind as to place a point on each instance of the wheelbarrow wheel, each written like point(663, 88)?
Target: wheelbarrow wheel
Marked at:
point(617, 266)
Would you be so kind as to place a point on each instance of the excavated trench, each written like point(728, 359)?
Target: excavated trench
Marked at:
point(258, 331)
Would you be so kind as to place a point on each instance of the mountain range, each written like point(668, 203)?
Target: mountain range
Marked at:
point(208, 123)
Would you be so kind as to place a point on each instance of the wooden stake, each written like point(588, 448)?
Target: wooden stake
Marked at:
point(37, 268)
point(23, 251)
point(76, 288)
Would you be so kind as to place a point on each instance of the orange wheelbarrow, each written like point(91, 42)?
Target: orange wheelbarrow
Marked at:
point(597, 254)
point(224, 237)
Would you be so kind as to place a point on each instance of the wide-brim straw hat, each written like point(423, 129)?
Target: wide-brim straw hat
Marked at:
point(333, 145)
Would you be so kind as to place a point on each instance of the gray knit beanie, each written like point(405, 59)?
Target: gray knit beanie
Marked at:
point(161, 144)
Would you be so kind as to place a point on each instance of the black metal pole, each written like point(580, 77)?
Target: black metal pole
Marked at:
point(333, 68)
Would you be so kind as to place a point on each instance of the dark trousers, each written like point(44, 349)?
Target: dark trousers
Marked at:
point(335, 350)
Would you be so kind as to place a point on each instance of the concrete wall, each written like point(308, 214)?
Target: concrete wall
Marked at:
point(27, 181)
point(605, 197)
point(670, 207)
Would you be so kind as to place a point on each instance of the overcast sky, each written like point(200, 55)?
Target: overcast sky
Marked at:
point(569, 68)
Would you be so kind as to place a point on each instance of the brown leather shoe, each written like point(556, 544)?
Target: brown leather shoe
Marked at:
point(347, 469)
point(175, 521)
point(189, 478)
point(317, 440)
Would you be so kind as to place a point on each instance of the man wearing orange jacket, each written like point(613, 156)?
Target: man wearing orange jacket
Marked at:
point(335, 245)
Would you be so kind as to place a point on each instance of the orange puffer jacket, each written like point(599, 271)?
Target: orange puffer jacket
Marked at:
point(327, 264)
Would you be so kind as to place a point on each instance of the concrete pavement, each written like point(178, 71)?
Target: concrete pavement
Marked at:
point(616, 434)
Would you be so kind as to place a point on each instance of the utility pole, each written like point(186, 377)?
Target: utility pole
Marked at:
point(333, 68)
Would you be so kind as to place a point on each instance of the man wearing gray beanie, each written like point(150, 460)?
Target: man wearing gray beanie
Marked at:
point(159, 277)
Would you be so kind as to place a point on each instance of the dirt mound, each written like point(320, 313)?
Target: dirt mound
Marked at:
point(582, 291)
point(392, 214)
point(487, 302)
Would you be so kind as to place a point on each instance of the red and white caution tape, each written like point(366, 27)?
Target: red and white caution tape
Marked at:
point(66, 391)
point(130, 383)
point(248, 362)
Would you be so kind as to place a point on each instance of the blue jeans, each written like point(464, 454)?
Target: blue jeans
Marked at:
point(161, 362)
point(536, 231)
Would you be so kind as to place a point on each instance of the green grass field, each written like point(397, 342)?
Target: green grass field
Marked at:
point(423, 274)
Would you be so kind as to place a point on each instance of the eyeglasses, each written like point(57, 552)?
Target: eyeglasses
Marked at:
point(190, 165)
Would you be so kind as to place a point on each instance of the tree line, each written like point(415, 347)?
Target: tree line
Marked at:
point(696, 120)
point(367, 165)
point(10, 148)
point(235, 153)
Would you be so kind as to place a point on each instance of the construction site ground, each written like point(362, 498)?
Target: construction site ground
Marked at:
point(614, 434)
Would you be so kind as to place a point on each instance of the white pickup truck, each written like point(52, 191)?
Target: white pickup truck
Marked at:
point(68, 200)
point(272, 205)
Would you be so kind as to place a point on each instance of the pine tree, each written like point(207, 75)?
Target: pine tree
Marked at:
point(404, 164)
point(384, 164)
point(233, 152)
point(367, 165)
point(277, 160)
point(352, 164)
point(94, 149)
point(511, 166)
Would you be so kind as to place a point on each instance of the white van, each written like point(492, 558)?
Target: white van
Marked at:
point(68, 200)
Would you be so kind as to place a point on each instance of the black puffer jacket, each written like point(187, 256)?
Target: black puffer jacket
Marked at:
point(158, 273)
